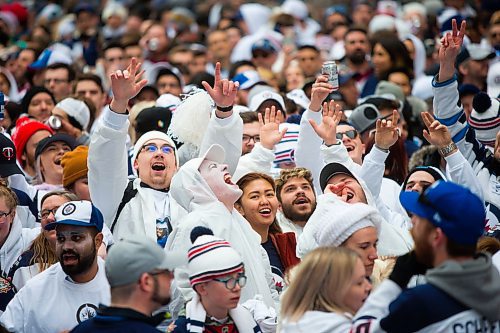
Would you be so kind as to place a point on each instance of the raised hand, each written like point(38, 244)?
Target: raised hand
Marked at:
point(387, 131)
point(338, 189)
point(451, 45)
point(270, 134)
point(224, 91)
point(437, 134)
point(327, 130)
point(452, 42)
point(320, 90)
point(125, 85)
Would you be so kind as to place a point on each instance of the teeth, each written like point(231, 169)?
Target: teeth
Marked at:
point(265, 211)
point(350, 196)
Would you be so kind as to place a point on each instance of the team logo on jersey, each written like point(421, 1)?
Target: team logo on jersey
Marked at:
point(5, 285)
point(86, 311)
point(68, 209)
point(8, 153)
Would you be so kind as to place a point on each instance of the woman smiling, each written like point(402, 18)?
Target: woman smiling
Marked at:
point(258, 204)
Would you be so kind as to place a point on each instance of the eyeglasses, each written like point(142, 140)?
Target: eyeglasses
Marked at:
point(231, 282)
point(163, 271)
point(46, 212)
point(247, 138)
point(56, 81)
point(152, 148)
point(351, 134)
point(3, 214)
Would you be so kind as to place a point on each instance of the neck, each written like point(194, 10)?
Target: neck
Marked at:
point(29, 170)
point(439, 259)
point(361, 68)
point(134, 304)
point(214, 310)
point(52, 180)
point(262, 230)
point(88, 275)
point(3, 240)
point(300, 223)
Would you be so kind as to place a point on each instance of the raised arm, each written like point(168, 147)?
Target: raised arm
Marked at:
point(108, 156)
point(225, 128)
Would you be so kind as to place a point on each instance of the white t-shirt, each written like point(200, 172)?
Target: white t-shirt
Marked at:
point(51, 302)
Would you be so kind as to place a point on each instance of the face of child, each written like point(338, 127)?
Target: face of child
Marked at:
point(218, 298)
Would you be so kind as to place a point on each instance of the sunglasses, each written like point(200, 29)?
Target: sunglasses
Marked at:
point(351, 134)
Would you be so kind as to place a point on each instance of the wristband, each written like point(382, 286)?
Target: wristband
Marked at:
point(334, 144)
point(382, 149)
point(224, 108)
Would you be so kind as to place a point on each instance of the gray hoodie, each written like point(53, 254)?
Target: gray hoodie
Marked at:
point(475, 283)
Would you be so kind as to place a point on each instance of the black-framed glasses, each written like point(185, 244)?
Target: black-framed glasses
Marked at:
point(231, 282)
point(247, 138)
point(46, 212)
point(152, 148)
point(4, 214)
point(351, 134)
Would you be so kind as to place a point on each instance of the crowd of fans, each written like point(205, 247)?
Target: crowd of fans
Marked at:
point(187, 166)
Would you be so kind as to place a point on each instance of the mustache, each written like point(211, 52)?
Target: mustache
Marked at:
point(70, 252)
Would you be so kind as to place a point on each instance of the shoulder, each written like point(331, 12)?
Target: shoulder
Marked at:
point(179, 326)
point(419, 307)
point(24, 260)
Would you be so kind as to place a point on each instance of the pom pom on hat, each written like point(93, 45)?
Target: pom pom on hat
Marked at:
point(200, 231)
point(211, 257)
point(485, 118)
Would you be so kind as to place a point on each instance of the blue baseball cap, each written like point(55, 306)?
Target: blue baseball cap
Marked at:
point(79, 213)
point(451, 207)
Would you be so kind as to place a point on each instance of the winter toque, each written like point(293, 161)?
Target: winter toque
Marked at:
point(211, 257)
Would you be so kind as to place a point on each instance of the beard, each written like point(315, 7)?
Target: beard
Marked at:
point(157, 298)
point(423, 250)
point(84, 263)
point(294, 215)
point(357, 57)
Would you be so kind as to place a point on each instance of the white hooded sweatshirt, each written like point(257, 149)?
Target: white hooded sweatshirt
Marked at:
point(192, 192)
point(393, 240)
point(318, 322)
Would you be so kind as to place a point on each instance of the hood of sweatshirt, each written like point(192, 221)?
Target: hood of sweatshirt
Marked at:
point(475, 283)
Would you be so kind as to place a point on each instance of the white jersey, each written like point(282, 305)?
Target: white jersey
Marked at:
point(51, 302)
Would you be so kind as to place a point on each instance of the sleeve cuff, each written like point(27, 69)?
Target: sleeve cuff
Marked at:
point(455, 159)
point(316, 116)
point(436, 84)
point(378, 155)
point(114, 120)
point(223, 121)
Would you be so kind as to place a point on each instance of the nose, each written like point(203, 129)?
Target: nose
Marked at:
point(373, 254)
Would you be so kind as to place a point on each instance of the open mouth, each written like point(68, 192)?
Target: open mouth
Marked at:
point(57, 161)
point(227, 179)
point(301, 201)
point(349, 148)
point(265, 211)
point(158, 166)
point(349, 196)
point(69, 258)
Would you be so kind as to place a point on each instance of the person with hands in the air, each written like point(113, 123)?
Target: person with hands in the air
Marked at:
point(261, 158)
point(142, 207)
point(464, 135)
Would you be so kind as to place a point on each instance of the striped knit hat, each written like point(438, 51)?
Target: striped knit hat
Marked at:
point(485, 118)
point(285, 149)
point(211, 257)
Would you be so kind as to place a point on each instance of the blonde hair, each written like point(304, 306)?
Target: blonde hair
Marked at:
point(319, 283)
point(9, 196)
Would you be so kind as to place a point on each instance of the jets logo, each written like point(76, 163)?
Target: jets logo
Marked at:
point(86, 311)
point(68, 209)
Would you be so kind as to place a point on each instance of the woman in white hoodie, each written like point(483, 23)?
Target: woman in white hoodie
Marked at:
point(327, 289)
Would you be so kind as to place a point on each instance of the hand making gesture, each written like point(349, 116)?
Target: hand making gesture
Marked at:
point(125, 85)
point(437, 134)
point(223, 92)
point(327, 130)
point(451, 45)
point(387, 131)
point(270, 134)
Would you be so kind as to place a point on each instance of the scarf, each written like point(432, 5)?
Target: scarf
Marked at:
point(196, 314)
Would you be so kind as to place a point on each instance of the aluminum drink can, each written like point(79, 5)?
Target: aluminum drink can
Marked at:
point(330, 68)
